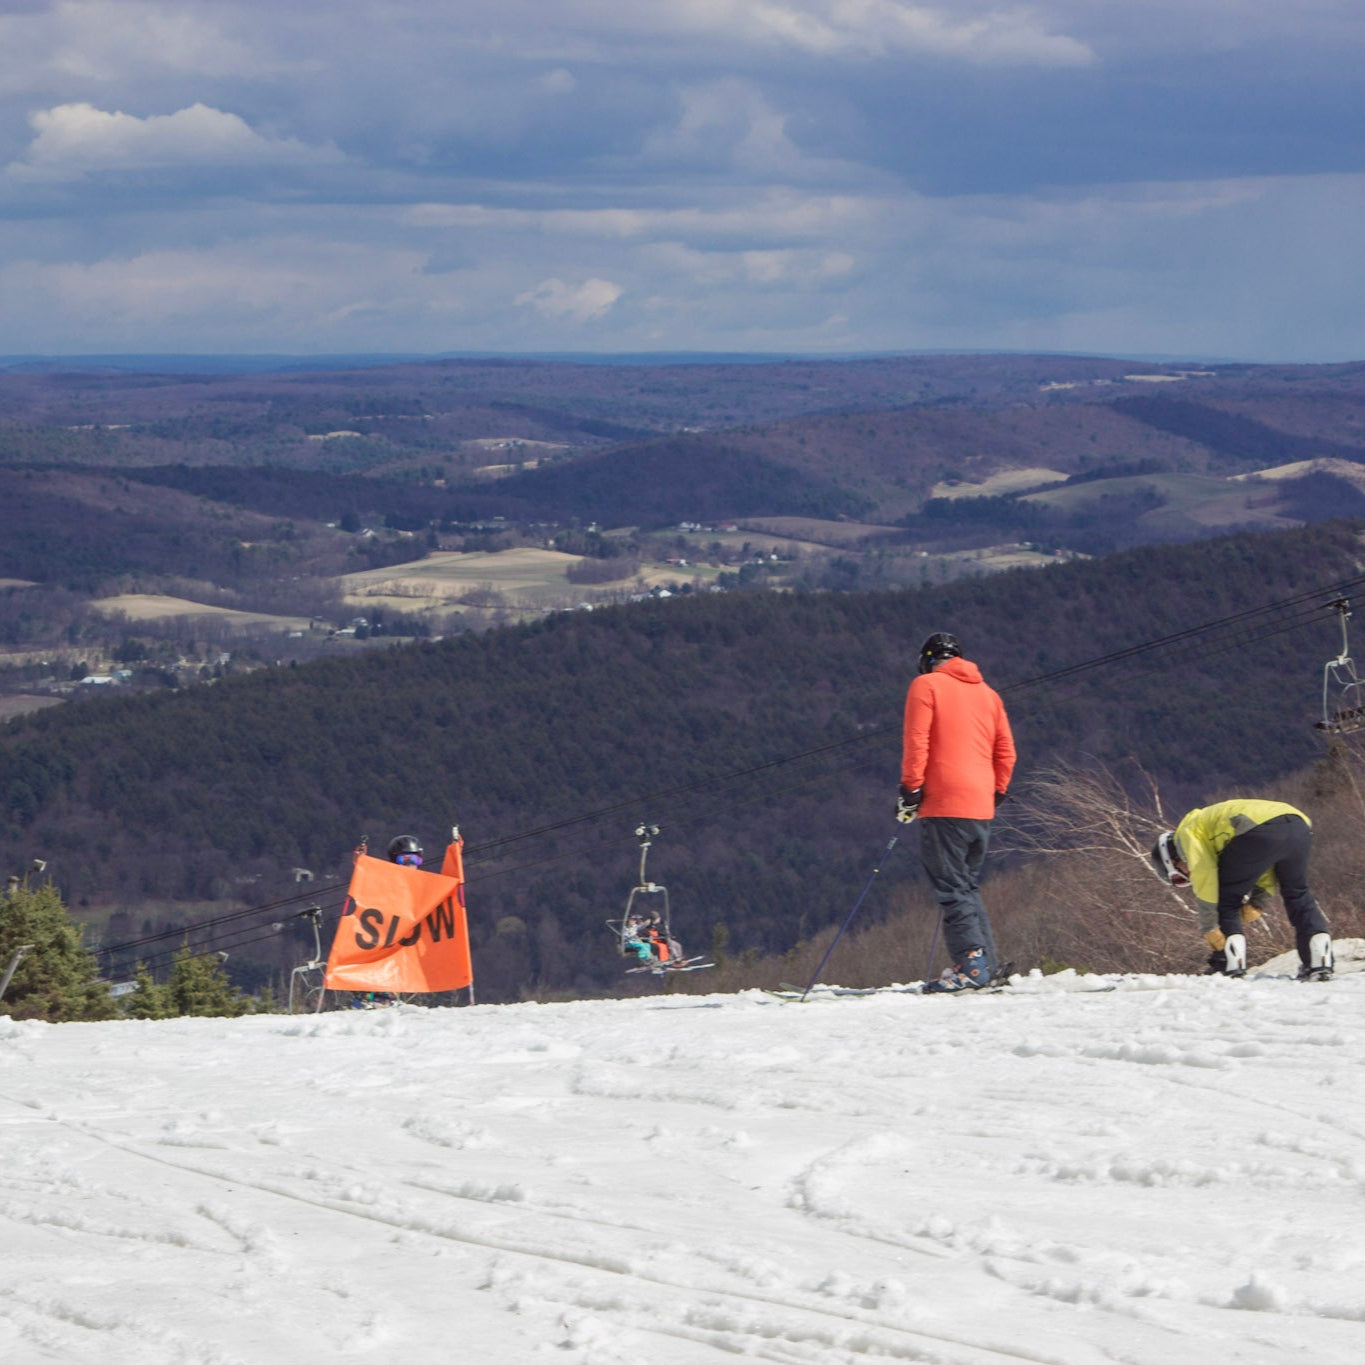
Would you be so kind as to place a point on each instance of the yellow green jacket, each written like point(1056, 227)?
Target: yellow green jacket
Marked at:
point(1204, 833)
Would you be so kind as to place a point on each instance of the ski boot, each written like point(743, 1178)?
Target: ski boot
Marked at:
point(968, 975)
point(1319, 964)
point(1235, 954)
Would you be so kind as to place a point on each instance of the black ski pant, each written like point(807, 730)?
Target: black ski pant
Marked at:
point(1283, 844)
point(952, 851)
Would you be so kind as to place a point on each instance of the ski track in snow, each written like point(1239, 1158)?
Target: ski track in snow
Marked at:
point(1170, 1172)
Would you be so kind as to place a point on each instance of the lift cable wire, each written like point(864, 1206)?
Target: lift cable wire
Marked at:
point(483, 852)
point(179, 932)
point(1298, 611)
point(227, 940)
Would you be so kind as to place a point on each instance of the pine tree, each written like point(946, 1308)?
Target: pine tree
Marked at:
point(57, 978)
point(150, 1000)
point(198, 985)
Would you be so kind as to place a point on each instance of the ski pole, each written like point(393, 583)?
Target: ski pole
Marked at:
point(861, 897)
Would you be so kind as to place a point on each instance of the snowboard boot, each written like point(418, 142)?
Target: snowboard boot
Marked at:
point(1319, 964)
point(1235, 953)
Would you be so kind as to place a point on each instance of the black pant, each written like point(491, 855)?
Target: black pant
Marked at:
point(1283, 844)
point(952, 851)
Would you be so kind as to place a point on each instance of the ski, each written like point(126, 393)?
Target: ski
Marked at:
point(789, 992)
point(786, 991)
point(683, 964)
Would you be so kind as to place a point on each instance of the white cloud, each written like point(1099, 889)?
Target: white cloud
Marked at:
point(101, 43)
point(560, 81)
point(584, 302)
point(108, 38)
point(867, 29)
point(727, 122)
point(772, 215)
point(73, 139)
point(304, 292)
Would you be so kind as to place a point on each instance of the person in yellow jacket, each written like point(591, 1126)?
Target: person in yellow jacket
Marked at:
point(1234, 855)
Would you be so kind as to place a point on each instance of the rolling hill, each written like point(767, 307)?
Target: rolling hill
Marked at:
point(761, 730)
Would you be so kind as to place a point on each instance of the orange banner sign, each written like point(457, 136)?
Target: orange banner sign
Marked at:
point(403, 930)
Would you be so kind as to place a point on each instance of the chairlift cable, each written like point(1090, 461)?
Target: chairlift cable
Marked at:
point(480, 854)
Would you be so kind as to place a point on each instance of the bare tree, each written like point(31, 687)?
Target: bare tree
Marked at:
point(1104, 910)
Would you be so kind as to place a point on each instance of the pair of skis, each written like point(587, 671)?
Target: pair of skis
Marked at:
point(681, 964)
point(786, 991)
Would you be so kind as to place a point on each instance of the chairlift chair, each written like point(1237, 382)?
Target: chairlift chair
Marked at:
point(629, 927)
point(1343, 690)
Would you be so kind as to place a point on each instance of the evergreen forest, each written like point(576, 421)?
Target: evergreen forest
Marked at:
point(760, 731)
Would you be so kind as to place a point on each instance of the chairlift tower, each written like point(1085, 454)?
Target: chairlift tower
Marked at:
point(308, 979)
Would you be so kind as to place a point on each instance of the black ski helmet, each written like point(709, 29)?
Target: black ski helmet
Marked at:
point(404, 843)
point(936, 648)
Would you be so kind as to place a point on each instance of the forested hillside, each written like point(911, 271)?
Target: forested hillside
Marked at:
point(761, 731)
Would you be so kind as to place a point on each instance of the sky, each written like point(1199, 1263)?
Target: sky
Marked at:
point(1168, 1172)
point(1178, 178)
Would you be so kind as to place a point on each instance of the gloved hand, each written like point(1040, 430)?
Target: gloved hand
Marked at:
point(907, 803)
point(1216, 940)
point(1250, 913)
point(1001, 798)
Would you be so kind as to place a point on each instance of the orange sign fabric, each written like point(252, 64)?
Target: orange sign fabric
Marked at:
point(403, 929)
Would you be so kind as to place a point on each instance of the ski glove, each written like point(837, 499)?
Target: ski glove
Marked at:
point(907, 803)
point(1215, 939)
point(1001, 798)
point(1250, 913)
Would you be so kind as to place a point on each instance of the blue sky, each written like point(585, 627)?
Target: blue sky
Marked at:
point(1172, 177)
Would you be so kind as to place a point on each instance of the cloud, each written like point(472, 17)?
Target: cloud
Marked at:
point(104, 42)
point(702, 174)
point(585, 302)
point(731, 219)
point(76, 139)
point(885, 28)
point(302, 292)
point(558, 82)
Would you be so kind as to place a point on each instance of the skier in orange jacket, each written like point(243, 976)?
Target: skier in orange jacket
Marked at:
point(956, 762)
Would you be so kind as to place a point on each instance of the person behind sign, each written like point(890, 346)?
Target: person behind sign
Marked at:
point(406, 850)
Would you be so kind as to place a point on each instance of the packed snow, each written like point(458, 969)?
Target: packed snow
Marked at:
point(1083, 1170)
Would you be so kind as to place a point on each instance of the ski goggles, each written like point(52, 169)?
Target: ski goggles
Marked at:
point(409, 860)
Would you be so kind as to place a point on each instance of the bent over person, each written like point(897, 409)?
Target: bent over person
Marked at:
point(956, 761)
point(1235, 855)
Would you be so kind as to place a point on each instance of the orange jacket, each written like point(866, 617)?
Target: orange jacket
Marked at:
point(957, 743)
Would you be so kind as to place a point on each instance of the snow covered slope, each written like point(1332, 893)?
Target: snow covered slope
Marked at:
point(1169, 1172)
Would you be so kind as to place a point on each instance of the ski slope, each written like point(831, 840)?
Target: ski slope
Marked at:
point(1167, 1172)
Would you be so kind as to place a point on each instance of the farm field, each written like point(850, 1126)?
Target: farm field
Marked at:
point(999, 484)
point(1343, 469)
point(524, 580)
point(141, 607)
point(803, 530)
point(21, 703)
point(1207, 501)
